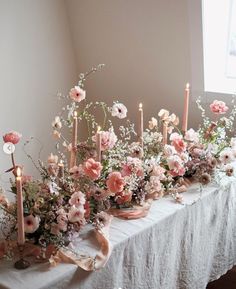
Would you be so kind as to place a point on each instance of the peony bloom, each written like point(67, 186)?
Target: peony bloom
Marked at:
point(12, 137)
point(31, 223)
point(92, 169)
point(57, 123)
point(52, 159)
point(115, 182)
point(218, 107)
point(152, 123)
point(76, 214)
point(77, 199)
point(178, 142)
point(192, 136)
point(77, 94)
point(119, 110)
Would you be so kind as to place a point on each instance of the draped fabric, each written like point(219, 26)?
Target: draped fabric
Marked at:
point(174, 247)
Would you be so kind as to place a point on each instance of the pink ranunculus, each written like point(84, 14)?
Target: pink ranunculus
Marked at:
point(92, 169)
point(77, 199)
point(12, 137)
point(31, 223)
point(77, 94)
point(218, 107)
point(76, 214)
point(115, 182)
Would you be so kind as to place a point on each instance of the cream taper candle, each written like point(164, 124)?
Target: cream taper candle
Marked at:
point(141, 124)
point(99, 144)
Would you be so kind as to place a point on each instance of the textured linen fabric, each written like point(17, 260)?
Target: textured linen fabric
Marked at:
point(175, 247)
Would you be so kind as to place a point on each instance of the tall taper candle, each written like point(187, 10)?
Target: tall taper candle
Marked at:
point(74, 140)
point(61, 169)
point(165, 131)
point(186, 107)
point(99, 143)
point(20, 209)
point(141, 124)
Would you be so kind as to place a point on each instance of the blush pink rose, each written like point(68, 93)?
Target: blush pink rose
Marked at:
point(218, 107)
point(92, 169)
point(31, 223)
point(77, 94)
point(179, 145)
point(12, 137)
point(115, 182)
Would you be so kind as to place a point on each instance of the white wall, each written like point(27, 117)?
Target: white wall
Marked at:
point(36, 61)
point(145, 46)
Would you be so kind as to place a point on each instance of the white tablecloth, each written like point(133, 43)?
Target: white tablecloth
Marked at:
point(174, 247)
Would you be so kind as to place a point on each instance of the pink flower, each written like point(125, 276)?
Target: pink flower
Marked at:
point(31, 223)
point(158, 171)
point(115, 182)
point(92, 169)
point(176, 166)
point(226, 156)
point(77, 199)
point(55, 230)
point(119, 110)
point(124, 197)
point(77, 94)
point(133, 165)
point(218, 107)
point(12, 137)
point(76, 172)
point(192, 136)
point(76, 214)
point(108, 139)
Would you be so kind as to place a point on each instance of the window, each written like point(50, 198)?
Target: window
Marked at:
point(219, 45)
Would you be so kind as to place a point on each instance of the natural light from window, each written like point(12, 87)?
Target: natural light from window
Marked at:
point(219, 45)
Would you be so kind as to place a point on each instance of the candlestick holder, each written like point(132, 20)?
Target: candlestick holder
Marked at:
point(21, 263)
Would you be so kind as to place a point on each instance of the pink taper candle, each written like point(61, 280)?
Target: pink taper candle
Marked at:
point(20, 209)
point(99, 143)
point(186, 106)
point(74, 140)
point(141, 124)
point(165, 132)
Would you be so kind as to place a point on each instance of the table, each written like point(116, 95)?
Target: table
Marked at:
point(175, 247)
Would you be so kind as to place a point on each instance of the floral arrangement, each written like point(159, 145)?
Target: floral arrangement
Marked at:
point(111, 169)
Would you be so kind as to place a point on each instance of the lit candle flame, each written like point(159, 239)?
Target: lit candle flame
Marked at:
point(140, 106)
point(75, 113)
point(61, 163)
point(18, 172)
point(98, 129)
point(187, 86)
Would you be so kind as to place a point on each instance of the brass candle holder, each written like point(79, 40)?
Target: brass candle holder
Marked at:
point(21, 263)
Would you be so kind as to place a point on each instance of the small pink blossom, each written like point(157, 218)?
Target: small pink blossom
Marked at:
point(115, 182)
point(158, 171)
point(178, 142)
point(192, 136)
point(12, 137)
point(77, 199)
point(176, 166)
point(133, 165)
point(124, 197)
point(119, 110)
point(92, 169)
point(77, 94)
point(76, 214)
point(31, 223)
point(218, 107)
point(154, 185)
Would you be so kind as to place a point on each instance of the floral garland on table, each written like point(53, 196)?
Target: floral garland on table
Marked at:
point(109, 173)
